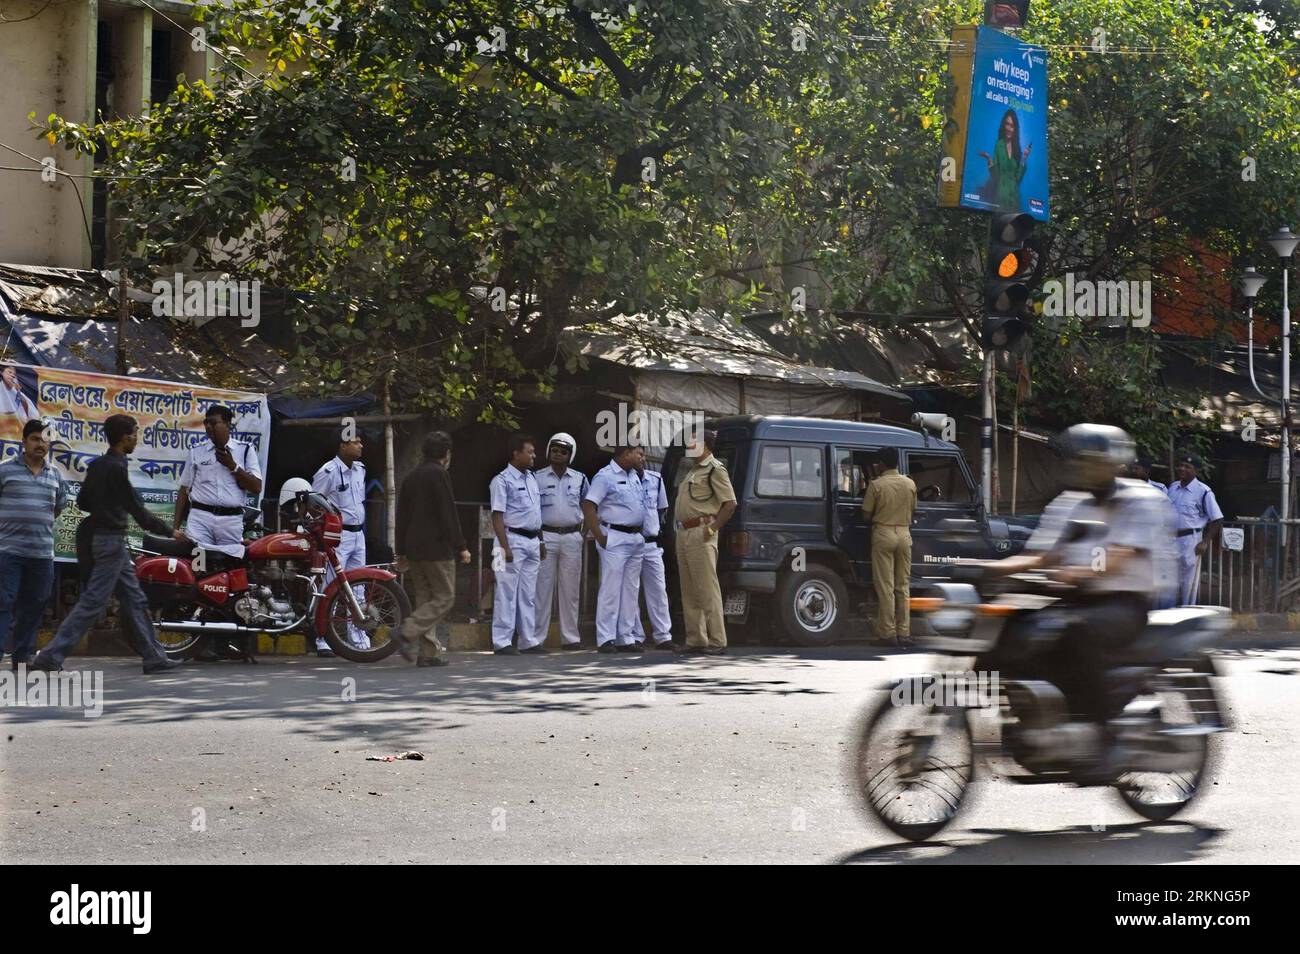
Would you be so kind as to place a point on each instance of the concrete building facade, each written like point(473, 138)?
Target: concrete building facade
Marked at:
point(80, 59)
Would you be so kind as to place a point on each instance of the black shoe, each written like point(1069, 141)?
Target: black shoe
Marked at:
point(538, 650)
point(630, 648)
point(325, 653)
point(162, 665)
point(41, 663)
point(435, 661)
point(607, 648)
point(667, 646)
point(715, 651)
point(570, 647)
point(507, 651)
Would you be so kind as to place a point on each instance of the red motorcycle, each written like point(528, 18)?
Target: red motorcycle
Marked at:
point(278, 587)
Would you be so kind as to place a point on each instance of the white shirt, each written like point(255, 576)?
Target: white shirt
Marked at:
point(514, 494)
point(343, 486)
point(618, 496)
point(211, 482)
point(1194, 503)
point(561, 496)
point(1134, 516)
point(656, 499)
point(1158, 486)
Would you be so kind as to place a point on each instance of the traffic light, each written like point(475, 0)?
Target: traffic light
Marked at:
point(1012, 270)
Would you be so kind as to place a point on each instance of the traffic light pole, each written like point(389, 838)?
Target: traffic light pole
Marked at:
point(986, 433)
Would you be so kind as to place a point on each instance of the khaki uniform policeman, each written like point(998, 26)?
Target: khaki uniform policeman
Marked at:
point(615, 510)
point(343, 482)
point(562, 489)
point(705, 501)
point(889, 504)
point(653, 583)
point(1199, 519)
point(517, 520)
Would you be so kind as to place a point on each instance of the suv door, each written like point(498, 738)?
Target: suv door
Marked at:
point(787, 504)
point(944, 490)
point(850, 471)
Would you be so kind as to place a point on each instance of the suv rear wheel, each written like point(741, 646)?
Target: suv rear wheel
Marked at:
point(813, 605)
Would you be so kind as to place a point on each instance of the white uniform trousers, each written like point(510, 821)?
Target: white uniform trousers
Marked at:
point(1189, 570)
point(351, 552)
point(214, 532)
point(562, 571)
point(655, 587)
point(620, 586)
point(514, 603)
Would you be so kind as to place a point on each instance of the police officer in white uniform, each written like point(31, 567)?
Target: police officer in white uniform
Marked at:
point(653, 582)
point(562, 489)
point(1199, 522)
point(615, 512)
point(342, 481)
point(1142, 471)
point(219, 472)
point(517, 521)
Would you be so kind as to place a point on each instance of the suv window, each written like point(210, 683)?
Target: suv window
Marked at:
point(938, 478)
point(790, 472)
point(852, 471)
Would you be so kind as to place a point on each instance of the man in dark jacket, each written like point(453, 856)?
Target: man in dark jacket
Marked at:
point(428, 540)
point(110, 500)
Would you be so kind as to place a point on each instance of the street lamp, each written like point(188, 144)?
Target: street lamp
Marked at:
point(1284, 242)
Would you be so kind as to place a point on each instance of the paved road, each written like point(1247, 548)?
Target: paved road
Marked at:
point(580, 758)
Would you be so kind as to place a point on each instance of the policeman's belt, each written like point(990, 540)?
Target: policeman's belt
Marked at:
point(691, 524)
point(530, 534)
point(654, 539)
point(622, 527)
point(219, 511)
point(573, 529)
point(354, 527)
point(1188, 531)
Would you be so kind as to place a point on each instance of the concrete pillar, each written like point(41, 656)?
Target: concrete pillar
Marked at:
point(75, 99)
point(198, 64)
point(133, 63)
point(132, 74)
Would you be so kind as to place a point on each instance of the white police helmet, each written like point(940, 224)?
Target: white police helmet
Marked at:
point(563, 438)
point(292, 488)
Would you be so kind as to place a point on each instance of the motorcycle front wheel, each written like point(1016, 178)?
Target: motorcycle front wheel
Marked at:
point(386, 607)
point(913, 766)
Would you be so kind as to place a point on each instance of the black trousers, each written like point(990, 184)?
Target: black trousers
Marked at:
point(1097, 630)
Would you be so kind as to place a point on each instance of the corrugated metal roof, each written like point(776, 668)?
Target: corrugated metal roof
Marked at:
point(702, 343)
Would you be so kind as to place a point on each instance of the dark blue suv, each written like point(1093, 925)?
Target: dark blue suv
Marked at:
point(798, 552)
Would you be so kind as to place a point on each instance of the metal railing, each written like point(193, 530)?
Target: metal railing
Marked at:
point(1252, 568)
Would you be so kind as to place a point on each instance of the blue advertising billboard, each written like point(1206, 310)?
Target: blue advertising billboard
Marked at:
point(1006, 132)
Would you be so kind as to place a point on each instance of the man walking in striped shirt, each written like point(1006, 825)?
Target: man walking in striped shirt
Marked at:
point(31, 496)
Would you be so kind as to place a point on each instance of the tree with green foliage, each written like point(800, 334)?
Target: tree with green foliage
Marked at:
point(519, 165)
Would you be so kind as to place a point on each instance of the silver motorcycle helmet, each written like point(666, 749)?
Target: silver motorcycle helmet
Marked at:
point(1094, 454)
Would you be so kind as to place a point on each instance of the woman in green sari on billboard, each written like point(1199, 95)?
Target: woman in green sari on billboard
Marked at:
point(1007, 165)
